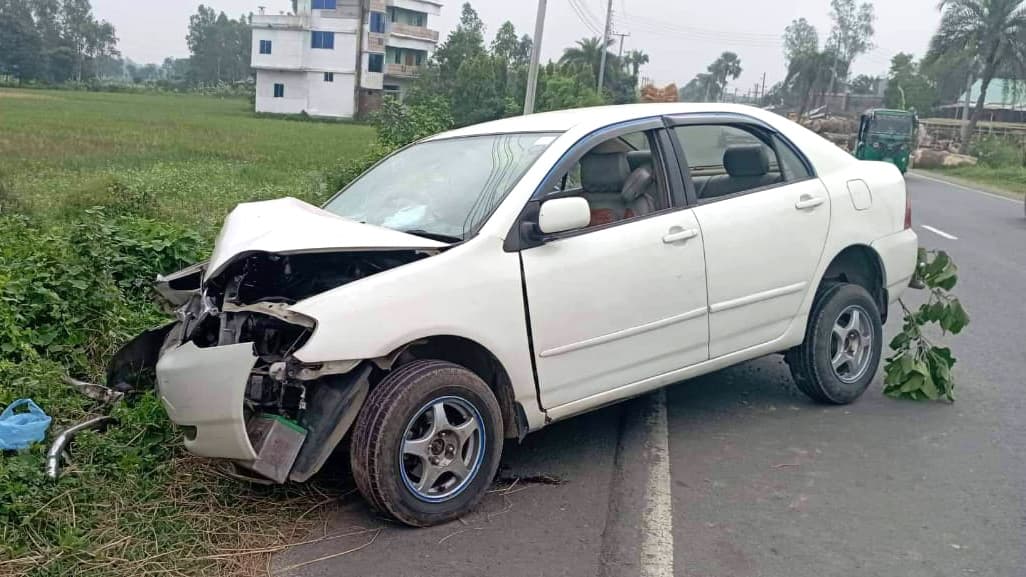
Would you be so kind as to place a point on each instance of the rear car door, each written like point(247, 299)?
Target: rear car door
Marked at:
point(764, 218)
point(623, 299)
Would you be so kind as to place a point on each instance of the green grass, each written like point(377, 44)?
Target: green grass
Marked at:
point(191, 158)
point(1008, 181)
point(163, 170)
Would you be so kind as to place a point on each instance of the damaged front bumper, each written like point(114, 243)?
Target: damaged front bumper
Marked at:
point(204, 392)
point(217, 396)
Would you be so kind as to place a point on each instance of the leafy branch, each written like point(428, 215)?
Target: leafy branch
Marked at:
point(919, 369)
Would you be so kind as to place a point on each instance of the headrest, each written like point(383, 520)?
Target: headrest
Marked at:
point(604, 172)
point(637, 183)
point(747, 160)
point(638, 158)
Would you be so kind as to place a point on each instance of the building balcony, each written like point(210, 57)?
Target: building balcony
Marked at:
point(282, 21)
point(417, 32)
point(403, 70)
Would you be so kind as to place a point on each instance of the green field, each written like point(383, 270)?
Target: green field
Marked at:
point(184, 157)
point(98, 194)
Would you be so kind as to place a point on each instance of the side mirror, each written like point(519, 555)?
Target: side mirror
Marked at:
point(563, 214)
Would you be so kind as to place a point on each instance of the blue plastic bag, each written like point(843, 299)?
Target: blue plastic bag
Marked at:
point(20, 430)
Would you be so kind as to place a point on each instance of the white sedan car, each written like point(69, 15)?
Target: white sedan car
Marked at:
point(482, 283)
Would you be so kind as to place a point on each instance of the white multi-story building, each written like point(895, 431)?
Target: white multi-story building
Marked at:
point(339, 57)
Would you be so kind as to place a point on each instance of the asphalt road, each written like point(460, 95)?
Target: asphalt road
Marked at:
point(737, 474)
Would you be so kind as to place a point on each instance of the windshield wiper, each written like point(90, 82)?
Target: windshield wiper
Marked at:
point(434, 235)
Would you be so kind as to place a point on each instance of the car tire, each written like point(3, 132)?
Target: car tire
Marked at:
point(843, 342)
point(430, 419)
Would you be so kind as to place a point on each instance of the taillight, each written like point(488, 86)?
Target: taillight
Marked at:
point(908, 210)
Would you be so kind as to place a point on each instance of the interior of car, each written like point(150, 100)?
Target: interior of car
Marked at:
point(618, 180)
point(746, 167)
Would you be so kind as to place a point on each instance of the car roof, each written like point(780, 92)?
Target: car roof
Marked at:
point(824, 155)
point(594, 117)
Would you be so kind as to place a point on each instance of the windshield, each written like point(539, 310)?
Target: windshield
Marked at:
point(885, 124)
point(443, 188)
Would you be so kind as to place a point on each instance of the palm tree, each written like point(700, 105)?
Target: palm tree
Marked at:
point(728, 65)
point(635, 59)
point(588, 52)
point(991, 32)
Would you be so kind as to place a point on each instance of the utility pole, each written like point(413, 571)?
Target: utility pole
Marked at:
point(763, 92)
point(532, 73)
point(605, 42)
point(622, 36)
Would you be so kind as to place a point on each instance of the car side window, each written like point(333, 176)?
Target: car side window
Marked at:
point(727, 159)
point(619, 178)
point(790, 162)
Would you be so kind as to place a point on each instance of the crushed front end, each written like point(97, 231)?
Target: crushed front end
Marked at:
point(225, 370)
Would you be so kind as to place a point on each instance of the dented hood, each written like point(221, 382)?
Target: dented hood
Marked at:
point(290, 226)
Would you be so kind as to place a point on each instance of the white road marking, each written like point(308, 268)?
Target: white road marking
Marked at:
point(970, 189)
point(657, 519)
point(939, 232)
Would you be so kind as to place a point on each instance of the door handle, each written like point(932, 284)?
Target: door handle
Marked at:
point(678, 234)
point(807, 201)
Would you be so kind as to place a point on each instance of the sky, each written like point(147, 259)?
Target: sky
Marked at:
point(680, 36)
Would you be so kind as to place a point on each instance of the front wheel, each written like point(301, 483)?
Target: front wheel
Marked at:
point(843, 342)
point(427, 443)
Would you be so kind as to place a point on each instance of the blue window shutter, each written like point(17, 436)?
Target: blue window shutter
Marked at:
point(377, 22)
point(279, 91)
point(324, 4)
point(323, 40)
point(265, 46)
point(375, 62)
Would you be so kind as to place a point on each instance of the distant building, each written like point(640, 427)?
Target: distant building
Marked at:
point(1005, 101)
point(337, 58)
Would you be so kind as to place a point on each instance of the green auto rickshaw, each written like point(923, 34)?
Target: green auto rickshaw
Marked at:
point(888, 135)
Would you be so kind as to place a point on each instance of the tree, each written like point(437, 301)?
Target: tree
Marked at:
point(698, 89)
point(800, 38)
point(808, 73)
point(506, 45)
point(851, 34)
point(727, 66)
point(907, 88)
point(20, 41)
point(465, 42)
point(634, 60)
point(566, 86)
point(588, 52)
point(864, 84)
point(990, 33)
point(220, 47)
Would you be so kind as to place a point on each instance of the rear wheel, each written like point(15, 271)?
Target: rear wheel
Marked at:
point(427, 443)
point(843, 342)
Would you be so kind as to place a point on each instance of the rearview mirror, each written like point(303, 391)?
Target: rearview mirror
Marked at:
point(563, 214)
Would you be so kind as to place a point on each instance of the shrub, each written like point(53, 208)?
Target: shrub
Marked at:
point(997, 152)
point(399, 124)
point(73, 293)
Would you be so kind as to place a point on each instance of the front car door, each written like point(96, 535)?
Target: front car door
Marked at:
point(764, 218)
point(623, 299)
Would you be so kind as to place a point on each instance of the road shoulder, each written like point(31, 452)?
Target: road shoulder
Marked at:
point(976, 186)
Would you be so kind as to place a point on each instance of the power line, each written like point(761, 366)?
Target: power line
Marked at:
point(579, 10)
